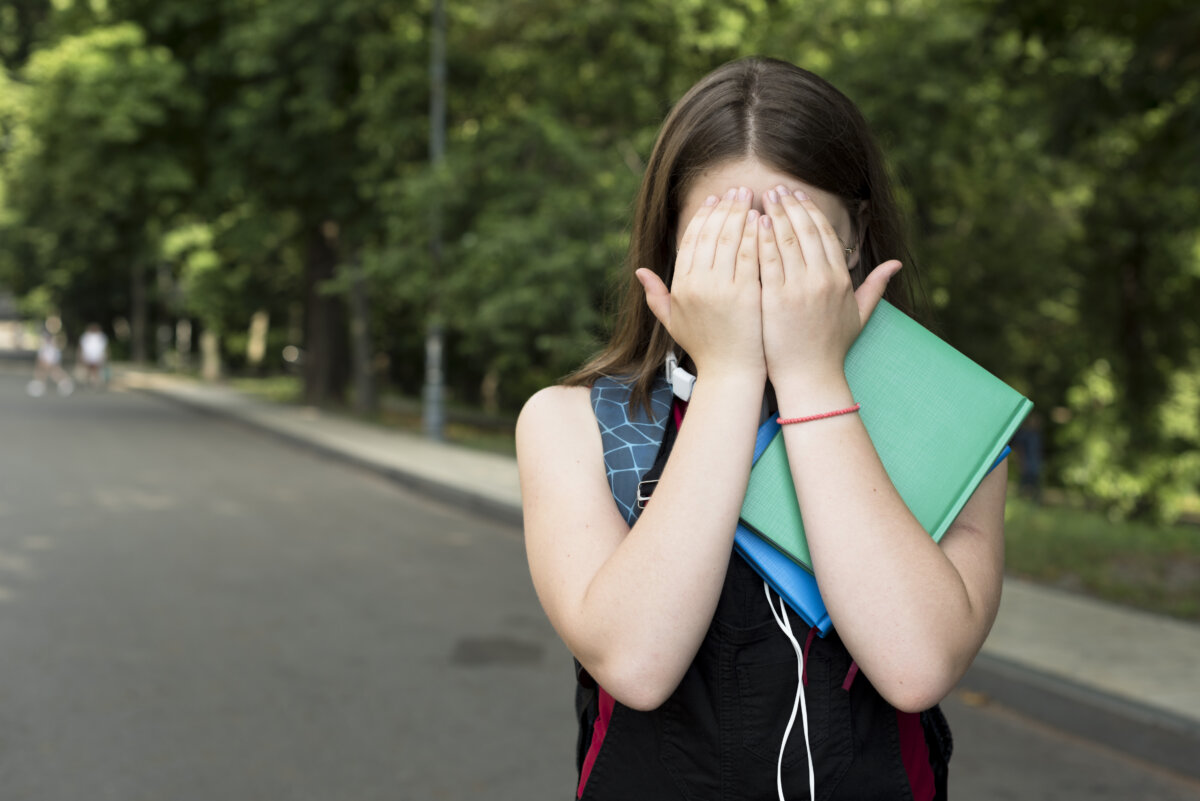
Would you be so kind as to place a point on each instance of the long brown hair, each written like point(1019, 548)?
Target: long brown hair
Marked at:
point(794, 122)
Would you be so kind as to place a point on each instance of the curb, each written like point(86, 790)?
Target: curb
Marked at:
point(462, 499)
point(1147, 733)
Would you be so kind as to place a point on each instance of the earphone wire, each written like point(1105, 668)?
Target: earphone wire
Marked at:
point(785, 625)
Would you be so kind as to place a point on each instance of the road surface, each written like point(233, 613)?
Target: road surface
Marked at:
point(191, 610)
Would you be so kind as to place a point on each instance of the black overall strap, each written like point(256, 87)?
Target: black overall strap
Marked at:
point(650, 479)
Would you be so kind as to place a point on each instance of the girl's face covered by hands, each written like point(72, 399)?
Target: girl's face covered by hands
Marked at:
point(809, 312)
point(759, 178)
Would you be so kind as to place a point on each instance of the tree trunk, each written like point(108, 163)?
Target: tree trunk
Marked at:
point(489, 391)
point(365, 401)
point(137, 313)
point(183, 344)
point(326, 371)
point(256, 342)
point(1139, 378)
point(210, 355)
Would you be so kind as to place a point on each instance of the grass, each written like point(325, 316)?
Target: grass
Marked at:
point(277, 389)
point(490, 439)
point(395, 412)
point(1156, 568)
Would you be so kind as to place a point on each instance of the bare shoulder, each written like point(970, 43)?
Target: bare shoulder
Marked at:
point(560, 458)
point(571, 521)
point(553, 404)
point(557, 431)
point(554, 418)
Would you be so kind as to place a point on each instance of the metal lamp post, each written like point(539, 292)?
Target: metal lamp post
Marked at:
point(433, 411)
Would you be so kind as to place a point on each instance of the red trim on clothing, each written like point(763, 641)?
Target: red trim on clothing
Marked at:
point(678, 409)
point(599, 730)
point(848, 682)
point(808, 641)
point(914, 753)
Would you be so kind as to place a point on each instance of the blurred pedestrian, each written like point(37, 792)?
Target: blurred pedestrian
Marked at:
point(93, 354)
point(49, 368)
point(763, 236)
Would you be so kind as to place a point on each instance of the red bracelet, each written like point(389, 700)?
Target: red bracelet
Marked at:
point(783, 421)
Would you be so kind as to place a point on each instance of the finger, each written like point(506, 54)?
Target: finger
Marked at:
point(746, 268)
point(806, 229)
point(729, 241)
point(791, 257)
point(835, 255)
point(658, 299)
point(770, 262)
point(687, 245)
point(870, 292)
point(710, 232)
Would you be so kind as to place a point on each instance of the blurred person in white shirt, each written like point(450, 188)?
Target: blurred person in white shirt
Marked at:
point(49, 367)
point(93, 353)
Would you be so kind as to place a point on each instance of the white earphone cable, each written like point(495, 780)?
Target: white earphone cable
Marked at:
point(785, 624)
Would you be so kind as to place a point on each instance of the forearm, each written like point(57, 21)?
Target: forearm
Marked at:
point(900, 605)
point(650, 604)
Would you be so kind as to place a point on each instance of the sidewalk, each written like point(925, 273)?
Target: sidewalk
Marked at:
point(1124, 678)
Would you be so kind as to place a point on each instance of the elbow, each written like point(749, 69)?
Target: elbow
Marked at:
point(638, 684)
point(642, 699)
point(914, 699)
point(919, 687)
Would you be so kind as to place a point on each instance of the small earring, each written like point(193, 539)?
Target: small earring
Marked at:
point(849, 250)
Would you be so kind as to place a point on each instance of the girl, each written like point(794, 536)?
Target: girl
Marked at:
point(762, 240)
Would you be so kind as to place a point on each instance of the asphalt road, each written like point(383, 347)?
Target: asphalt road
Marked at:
point(189, 610)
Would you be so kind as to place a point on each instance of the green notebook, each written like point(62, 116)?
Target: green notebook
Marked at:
point(937, 419)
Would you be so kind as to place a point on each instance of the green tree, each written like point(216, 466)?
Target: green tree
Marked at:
point(273, 157)
point(547, 137)
point(23, 23)
point(94, 174)
point(1126, 84)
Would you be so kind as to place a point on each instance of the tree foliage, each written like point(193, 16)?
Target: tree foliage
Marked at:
point(253, 152)
point(93, 173)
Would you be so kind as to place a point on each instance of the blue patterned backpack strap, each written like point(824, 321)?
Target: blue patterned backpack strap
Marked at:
point(629, 437)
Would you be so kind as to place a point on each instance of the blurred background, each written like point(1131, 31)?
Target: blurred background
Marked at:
point(251, 184)
point(358, 206)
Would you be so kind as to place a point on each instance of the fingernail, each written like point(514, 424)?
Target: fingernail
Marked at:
point(730, 194)
point(801, 196)
point(743, 193)
point(765, 221)
point(711, 200)
point(782, 190)
point(752, 215)
point(773, 196)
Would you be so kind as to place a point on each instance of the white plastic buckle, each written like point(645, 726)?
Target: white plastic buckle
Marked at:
point(682, 382)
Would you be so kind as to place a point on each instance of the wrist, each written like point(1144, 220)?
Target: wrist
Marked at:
point(735, 374)
point(801, 396)
point(731, 385)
